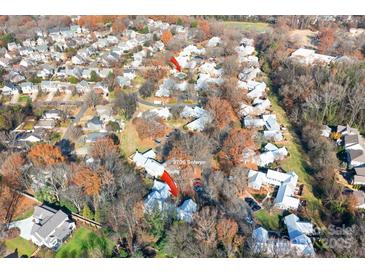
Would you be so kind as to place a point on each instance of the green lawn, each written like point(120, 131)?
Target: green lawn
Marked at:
point(24, 99)
point(247, 26)
point(85, 243)
point(270, 221)
point(130, 141)
point(297, 161)
point(24, 247)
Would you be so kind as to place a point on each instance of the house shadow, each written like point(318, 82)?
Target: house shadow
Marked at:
point(15, 254)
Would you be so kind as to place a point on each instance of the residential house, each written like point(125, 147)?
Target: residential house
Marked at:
point(140, 158)
point(285, 198)
point(272, 155)
point(29, 88)
point(326, 131)
point(355, 149)
point(214, 41)
point(250, 122)
point(157, 199)
point(50, 227)
point(28, 137)
point(95, 124)
point(123, 81)
point(308, 57)
point(9, 89)
point(298, 234)
point(15, 77)
point(186, 210)
point(164, 89)
point(83, 87)
point(256, 89)
point(200, 123)
point(101, 88)
point(249, 74)
point(46, 71)
point(163, 113)
point(49, 86)
point(13, 46)
point(94, 136)
point(54, 114)
point(77, 60)
point(359, 177)
point(45, 124)
point(105, 113)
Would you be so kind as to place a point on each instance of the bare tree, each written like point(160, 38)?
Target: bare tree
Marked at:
point(204, 229)
point(356, 102)
point(92, 99)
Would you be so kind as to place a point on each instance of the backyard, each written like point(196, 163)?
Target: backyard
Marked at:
point(247, 26)
point(297, 161)
point(85, 243)
point(270, 221)
point(129, 140)
point(24, 247)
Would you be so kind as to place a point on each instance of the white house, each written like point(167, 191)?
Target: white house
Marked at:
point(186, 210)
point(298, 233)
point(50, 227)
point(308, 56)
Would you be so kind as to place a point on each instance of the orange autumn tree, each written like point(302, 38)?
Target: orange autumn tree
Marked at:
point(11, 169)
point(118, 24)
point(87, 179)
point(150, 127)
point(221, 111)
point(326, 39)
point(203, 25)
point(234, 145)
point(103, 148)
point(43, 155)
point(166, 36)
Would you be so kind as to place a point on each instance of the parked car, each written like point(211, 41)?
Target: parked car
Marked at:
point(252, 204)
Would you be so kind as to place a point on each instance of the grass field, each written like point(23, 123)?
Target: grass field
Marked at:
point(297, 161)
point(23, 99)
point(270, 221)
point(247, 26)
point(129, 140)
point(24, 247)
point(85, 243)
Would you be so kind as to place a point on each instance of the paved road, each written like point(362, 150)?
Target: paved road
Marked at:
point(14, 99)
point(50, 96)
point(148, 103)
point(76, 120)
point(58, 103)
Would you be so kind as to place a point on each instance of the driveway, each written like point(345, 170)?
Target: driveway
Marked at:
point(50, 96)
point(15, 98)
point(34, 96)
point(25, 227)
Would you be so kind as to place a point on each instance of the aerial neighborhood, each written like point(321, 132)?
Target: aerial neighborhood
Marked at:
point(182, 136)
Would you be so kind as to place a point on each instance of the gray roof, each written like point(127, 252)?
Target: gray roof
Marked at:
point(360, 171)
point(56, 220)
point(43, 212)
point(359, 180)
point(356, 155)
point(351, 139)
